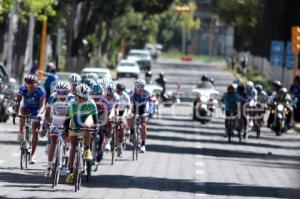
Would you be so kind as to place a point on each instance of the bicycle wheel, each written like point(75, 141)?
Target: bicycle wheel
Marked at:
point(88, 170)
point(56, 169)
point(113, 145)
point(134, 144)
point(137, 146)
point(77, 172)
point(23, 159)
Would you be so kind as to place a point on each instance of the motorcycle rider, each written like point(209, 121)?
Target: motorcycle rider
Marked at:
point(284, 98)
point(148, 77)
point(276, 87)
point(161, 80)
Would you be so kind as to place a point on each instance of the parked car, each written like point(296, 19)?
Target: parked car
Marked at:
point(128, 68)
point(101, 72)
point(142, 57)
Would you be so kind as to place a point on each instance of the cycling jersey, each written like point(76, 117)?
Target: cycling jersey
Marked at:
point(113, 102)
point(141, 102)
point(59, 108)
point(31, 100)
point(79, 112)
point(251, 95)
point(231, 101)
point(124, 102)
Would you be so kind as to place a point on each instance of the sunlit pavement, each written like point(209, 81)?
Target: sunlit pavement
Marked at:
point(183, 160)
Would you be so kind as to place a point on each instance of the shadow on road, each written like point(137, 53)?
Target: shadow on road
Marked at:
point(218, 152)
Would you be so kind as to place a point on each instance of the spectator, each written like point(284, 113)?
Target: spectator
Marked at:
point(51, 77)
point(295, 90)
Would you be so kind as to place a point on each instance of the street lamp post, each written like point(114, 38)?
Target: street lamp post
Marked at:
point(183, 10)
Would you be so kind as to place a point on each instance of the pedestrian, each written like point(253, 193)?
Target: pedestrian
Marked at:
point(244, 64)
point(295, 90)
point(51, 77)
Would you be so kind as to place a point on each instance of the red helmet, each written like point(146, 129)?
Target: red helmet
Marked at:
point(31, 79)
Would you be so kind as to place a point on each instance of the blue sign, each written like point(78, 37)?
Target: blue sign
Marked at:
point(289, 49)
point(289, 61)
point(277, 47)
point(276, 60)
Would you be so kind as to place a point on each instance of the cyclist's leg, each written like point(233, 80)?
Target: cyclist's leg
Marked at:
point(51, 151)
point(144, 130)
point(88, 123)
point(24, 111)
point(35, 129)
point(73, 142)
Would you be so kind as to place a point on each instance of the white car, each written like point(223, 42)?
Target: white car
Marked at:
point(128, 68)
point(101, 72)
point(142, 57)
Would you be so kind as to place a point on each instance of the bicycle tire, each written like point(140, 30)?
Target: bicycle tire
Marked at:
point(88, 170)
point(133, 146)
point(77, 172)
point(113, 147)
point(137, 147)
point(54, 174)
point(23, 159)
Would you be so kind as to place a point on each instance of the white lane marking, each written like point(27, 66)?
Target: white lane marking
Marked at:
point(2, 161)
point(199, 164)
point(15, 154)
point(199, 156)
point(199, 172)
point(201, 195)
point(198, 147)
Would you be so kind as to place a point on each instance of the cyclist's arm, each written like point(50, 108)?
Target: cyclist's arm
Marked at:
point(42, 105)
point(18, 100)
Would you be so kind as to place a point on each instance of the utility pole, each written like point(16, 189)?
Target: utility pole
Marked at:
point(43, 46)
point(296, 47)
point(183, 10)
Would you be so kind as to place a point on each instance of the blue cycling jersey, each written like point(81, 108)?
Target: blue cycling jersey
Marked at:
point(51, 77)
point(31, 100)
point(141, 102)
point(231, 101)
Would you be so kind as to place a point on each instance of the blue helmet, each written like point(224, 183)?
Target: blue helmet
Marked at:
point(97, 89)
point(259, 87)
point(89, 82)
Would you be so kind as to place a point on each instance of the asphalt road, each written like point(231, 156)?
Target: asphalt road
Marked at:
point(183, 160)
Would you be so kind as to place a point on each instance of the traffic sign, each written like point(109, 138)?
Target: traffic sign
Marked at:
point(276, 60)
point(289, 48)
point(277, 47)
point(289, 61)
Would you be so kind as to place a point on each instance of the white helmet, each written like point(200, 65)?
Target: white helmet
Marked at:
point(250, 84)
point(83, 90)
point(93, 76)
point(140, 83)
point(74, 78)
point(110, 89)
point(62, 87)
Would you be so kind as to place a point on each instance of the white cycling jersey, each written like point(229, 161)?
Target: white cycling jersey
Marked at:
point(59, 108)
point(124, 101)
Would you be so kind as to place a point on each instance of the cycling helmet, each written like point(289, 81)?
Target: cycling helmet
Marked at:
point(161, 74)
point(83, 90)
point(284, 90)
point(120, 87)
point(74, 78)
point(249, 84)
point(93, 76)
point(62, 87)
point(30, 79)
point(89, 82)
point(276, 83)
point(259, 87)
point(110, 89)
point(97, 89)
point(140, 83)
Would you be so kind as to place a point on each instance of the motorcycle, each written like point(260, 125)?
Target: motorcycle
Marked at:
point(169, 98)
point(279, 125)
point(8, 91)
point(205, 107)
point(255, 114)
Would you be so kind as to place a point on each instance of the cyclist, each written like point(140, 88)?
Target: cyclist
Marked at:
point(124, 110)
point(140, 105)
point(82, 112)
point(33, 104)
point(74, 79)
point(55, 115)
point(50, 79)
point(97, 94)
point(230, 100)
point(112, 100)
point(276, 84)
